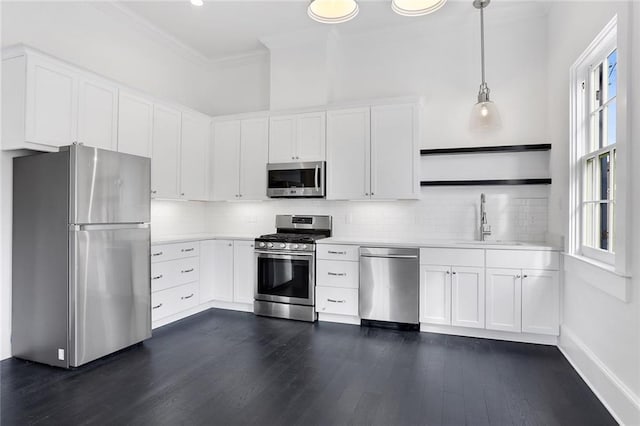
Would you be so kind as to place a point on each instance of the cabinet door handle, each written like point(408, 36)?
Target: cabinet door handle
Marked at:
point(448, 272)
point(188, 250)
point(157, 277)
point(187, 297)
point(182, 193)
point(230, 244)
point(337, 274)
point(336, 252)
point(154, 192)
point(518, 276)
point(336, 301)
point(525, 276)
point(366, 194)
point(454, 272)
point(186, 271)
point(157, 254)
point(157, 306)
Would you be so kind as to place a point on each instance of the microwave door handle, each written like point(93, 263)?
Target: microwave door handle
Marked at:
point(316, 179)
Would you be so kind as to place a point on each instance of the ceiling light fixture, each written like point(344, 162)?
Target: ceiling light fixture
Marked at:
point(197, 2)
point(416, 7)
point(484, 115)
point(332, 11)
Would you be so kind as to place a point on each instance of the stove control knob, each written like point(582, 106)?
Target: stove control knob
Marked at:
point(282, 245)
point(261, 244)
point(270, 245)
point(295, 247)
point(304, 247)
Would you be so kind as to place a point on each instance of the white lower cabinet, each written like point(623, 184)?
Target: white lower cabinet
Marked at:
point(339, 301)
point(504, 295)
point(228, 271)
point(452, 295)
point(173, 300)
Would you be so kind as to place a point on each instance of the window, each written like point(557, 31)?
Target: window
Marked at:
point(594, 150)
point(598, 162)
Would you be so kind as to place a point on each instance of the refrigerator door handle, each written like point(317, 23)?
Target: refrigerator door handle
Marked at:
point(107, 227)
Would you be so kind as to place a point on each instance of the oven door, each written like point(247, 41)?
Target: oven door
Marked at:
point(285, 277)
point(287, 180)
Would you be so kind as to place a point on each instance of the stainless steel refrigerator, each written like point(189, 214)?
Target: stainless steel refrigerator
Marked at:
point(81, 243)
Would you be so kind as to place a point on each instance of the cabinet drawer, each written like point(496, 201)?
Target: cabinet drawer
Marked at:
point(187, 270)
point(174, 272)
point(333, 300)
point(452, 257)
point(163, 252)
point(523, 259)
point(335, 273)
point(173, 300)
point(337, 252)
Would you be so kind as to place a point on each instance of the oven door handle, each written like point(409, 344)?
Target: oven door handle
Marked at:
point(284, 254)
point(317, 182)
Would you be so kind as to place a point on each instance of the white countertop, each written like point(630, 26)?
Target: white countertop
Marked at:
point(387, 242)
point(168, 239)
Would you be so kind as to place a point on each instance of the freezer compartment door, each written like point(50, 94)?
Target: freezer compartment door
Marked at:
point(108, 186)
point(110, 290)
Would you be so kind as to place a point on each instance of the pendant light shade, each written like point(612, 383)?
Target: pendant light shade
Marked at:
point(416, 7)
point(332, 11)
point(484, 115)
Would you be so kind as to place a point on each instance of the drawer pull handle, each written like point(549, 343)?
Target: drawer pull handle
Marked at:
point(157, 254)
point(336, 252)
point(186, 271)
point(336, 301)
point(187, 297)
point(187, 250)
point(157, 277)
point(337, 274)
point(157, 306)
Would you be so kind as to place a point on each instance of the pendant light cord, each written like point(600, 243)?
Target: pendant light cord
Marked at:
point(482, 42)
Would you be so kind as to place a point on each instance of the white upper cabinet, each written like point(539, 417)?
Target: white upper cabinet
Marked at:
point(254, 153)
point(239, 159)
point(165, 161)
point(244, 272)
point(394, 151)
point(295, 138)
point(98, 113)
point(39, 102)
point(52, 102)
point(195, 156)
point(348, 154)
point(135, 124)
point(225, 160)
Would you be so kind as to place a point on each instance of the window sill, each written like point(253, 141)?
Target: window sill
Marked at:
point(600, 275)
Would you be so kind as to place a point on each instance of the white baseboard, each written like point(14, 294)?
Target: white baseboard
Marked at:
point(541, 339)
point(621, 402)
point(244, 307)
point(341, 319)
point(233, 306)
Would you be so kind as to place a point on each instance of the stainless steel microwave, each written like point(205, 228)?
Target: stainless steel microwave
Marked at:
point(292, 180)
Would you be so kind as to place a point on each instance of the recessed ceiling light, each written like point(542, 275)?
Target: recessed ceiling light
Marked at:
point(332, 11)
point(197, 2)
point(416, 7)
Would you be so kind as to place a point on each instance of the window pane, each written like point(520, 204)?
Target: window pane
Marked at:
point(603, 210)
point(589, 192)
point(604, 176)
point(614, 163)
point(611, 123)
point(590, 229)
point(612, 210)
point(597, 130)
point(612, 86)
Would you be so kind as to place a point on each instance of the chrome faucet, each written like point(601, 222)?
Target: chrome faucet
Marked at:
point(485, 228)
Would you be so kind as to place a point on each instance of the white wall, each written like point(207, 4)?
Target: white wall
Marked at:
point(601, 334)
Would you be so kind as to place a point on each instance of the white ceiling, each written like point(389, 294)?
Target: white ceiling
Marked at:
point(227, 28)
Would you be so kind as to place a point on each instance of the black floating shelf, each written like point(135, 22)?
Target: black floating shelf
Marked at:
point(487, 149)
point(485, 182)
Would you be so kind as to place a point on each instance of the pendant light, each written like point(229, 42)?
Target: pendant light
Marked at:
point(332, 11)
point(416, 7)
point(484, 115)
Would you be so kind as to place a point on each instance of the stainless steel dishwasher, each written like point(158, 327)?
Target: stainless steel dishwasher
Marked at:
point(389, 282)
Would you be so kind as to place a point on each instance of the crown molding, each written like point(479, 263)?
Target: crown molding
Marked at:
point(299, 38)
point(123, 13)
point(242, 58)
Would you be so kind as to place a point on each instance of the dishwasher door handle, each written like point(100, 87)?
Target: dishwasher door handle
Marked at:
point(390, 256)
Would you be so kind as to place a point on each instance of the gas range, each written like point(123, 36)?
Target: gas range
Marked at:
point(286, 267)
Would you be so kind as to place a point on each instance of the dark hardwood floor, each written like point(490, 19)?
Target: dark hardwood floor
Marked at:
point(223, 367)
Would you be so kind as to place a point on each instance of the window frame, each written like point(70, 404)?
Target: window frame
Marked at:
point(609, 39)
